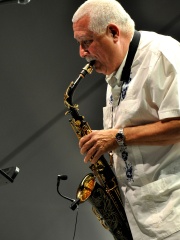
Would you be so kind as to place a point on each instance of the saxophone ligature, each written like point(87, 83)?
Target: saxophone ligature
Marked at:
point(100, 187)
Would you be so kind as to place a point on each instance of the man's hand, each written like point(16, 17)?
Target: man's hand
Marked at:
point(95, 144)
point(161, 133)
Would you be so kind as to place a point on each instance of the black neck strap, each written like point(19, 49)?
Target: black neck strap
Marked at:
point(131, 53)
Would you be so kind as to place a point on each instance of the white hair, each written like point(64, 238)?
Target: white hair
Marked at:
point(102, 13)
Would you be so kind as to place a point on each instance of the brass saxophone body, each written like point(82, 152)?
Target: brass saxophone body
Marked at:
point(100, 188)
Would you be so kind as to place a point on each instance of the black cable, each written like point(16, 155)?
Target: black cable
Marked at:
point(76, 216)
point(75, 223)
point(75, 202)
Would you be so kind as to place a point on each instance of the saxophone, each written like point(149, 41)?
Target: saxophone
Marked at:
point(100, 187)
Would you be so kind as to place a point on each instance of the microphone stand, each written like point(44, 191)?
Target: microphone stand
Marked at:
point(75, 202)
point(22, 2)
point(8, 175)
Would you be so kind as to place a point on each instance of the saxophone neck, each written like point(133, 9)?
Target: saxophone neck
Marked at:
point(87, 69)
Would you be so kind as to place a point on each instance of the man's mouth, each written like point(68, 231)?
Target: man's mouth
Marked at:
point(89, 59)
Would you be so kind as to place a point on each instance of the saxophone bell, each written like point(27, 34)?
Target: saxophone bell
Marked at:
point(86, 187)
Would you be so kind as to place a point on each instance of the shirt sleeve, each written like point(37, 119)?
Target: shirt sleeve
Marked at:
point(165, 86)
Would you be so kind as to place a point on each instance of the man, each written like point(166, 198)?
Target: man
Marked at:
point(142, 115)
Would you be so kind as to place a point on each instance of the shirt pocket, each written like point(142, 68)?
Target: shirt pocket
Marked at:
point(126, 113)
point(133, 112)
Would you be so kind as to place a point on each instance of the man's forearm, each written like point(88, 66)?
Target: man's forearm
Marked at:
point(159, 133)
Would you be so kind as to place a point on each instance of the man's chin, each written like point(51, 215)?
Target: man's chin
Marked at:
point(99, 68)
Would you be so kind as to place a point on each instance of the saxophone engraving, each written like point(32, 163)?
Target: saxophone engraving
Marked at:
point(100, 187)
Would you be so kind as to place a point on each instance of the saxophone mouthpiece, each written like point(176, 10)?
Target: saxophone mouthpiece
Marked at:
point(92, 62)
point(87, 69)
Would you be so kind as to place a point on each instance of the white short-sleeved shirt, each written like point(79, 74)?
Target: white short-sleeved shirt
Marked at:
point(152, 190)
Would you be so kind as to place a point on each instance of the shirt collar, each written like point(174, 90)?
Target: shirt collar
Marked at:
point(114, 78)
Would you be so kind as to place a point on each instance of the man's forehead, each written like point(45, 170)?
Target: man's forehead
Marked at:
point(81, 31)
point(81, 24)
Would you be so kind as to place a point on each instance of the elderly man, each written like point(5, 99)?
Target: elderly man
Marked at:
point(141, 116)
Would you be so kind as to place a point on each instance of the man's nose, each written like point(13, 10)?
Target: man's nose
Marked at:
point(83, 52)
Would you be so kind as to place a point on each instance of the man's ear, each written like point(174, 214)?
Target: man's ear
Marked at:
point(113, 30)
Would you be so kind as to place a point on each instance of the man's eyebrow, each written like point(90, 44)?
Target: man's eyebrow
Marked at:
point(83, 37)
point(80, 38)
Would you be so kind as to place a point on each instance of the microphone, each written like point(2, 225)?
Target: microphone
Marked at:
point(75, 202)
point(23, 2)
point(62, 177)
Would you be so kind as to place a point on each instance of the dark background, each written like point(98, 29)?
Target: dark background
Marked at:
point(38, 60)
